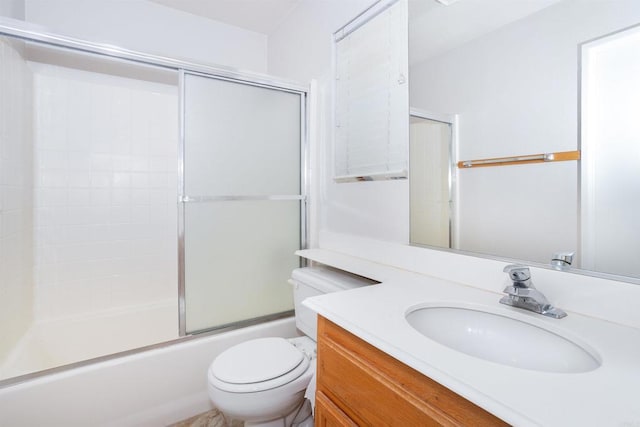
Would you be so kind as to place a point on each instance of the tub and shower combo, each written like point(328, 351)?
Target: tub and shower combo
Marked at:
point(150, 211)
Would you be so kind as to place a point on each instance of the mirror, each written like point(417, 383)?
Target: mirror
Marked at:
point(520, 78)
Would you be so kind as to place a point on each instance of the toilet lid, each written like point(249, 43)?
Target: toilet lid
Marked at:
point(256, 361)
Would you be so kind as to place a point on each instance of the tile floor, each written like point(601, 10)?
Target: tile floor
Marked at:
point(212, 418)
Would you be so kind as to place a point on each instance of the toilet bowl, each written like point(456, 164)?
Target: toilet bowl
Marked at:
point(263, 381)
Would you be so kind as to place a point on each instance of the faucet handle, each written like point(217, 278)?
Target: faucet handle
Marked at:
point(562, 260)
point(518, 273)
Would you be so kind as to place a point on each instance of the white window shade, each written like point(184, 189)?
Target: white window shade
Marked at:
point(372, 96)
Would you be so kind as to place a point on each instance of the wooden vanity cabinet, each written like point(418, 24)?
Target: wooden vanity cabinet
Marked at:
point(359, 385)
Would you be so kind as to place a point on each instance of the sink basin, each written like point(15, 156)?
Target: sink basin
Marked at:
point(502, 339)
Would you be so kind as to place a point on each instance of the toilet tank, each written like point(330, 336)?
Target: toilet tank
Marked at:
point(312, 281)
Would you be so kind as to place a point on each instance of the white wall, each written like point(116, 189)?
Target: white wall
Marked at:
point(105, 191)
point(302, 49)
point(529, 71)
point(16, 181)
point(149, 27)
point(12, 8)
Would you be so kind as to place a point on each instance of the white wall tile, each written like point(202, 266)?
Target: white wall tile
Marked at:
point(140, 164)
point(79, 160)
point(121, 196)
point(140, 180)
point(101, 162)
point(140, 195)
point(79, 179)
point(100, 197)
point(101, 200)
point(16, 196)
point(79, 196)
point(142, 215)
point(122, 180)
point(120, 214)
point(104, 180)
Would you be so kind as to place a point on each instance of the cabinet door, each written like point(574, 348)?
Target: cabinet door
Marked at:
point(327, 414)
point(372, 388)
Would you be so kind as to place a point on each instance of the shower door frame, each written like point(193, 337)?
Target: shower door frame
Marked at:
point(30, 33)
point(184, 198)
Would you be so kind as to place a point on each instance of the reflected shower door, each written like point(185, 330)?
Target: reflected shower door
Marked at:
point(429, 179)
point(241, 202)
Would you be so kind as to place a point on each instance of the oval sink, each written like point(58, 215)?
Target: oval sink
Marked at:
point(501, 339)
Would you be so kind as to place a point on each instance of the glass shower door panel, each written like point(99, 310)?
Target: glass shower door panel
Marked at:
point(240, 139)
point(239, 255)
point(241, 148)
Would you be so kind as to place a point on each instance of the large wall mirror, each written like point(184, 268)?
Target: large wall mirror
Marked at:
point(536, 77)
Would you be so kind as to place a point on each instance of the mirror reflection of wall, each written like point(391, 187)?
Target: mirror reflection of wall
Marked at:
point(429, 177)
point(611, 174)
point(514, 85)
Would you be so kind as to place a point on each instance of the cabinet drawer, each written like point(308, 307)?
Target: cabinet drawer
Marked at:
point(327, 414)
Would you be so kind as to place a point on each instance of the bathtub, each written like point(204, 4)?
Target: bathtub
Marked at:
point(155, 387)
point(65, 340)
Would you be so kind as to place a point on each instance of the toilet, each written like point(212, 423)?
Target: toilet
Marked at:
point(263, 381)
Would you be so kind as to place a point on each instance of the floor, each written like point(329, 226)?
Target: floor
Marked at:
point(212, 418)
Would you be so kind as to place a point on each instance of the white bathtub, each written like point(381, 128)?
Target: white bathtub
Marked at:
point(150, 388)
point(66, 340)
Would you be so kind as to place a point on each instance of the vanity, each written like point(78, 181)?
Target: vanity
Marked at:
point(378, 366)
point(381, 390)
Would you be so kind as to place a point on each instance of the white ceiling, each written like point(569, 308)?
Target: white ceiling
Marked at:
point(433, 27)
point(262, 16)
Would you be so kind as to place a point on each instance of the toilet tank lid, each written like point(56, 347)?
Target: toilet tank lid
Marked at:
point(329, 280)
point(256, 360)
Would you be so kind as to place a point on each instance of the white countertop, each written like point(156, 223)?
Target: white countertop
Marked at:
point(606, 396)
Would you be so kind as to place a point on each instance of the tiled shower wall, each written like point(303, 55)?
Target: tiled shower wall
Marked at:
point(16, 171)
point(105, 192)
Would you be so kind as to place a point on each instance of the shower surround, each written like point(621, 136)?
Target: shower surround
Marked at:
point(89, 213)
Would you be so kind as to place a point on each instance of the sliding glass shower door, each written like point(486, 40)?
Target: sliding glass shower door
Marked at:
point(242, 200)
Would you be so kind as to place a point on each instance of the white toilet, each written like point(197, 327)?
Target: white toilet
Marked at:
point(263, 381)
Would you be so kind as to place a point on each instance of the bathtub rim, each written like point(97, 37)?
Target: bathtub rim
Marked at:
point(197, 336)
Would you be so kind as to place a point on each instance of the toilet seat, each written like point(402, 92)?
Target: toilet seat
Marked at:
point(258, 365)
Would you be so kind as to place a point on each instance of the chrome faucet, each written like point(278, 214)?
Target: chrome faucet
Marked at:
point(562, 260)
point(522, 294)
